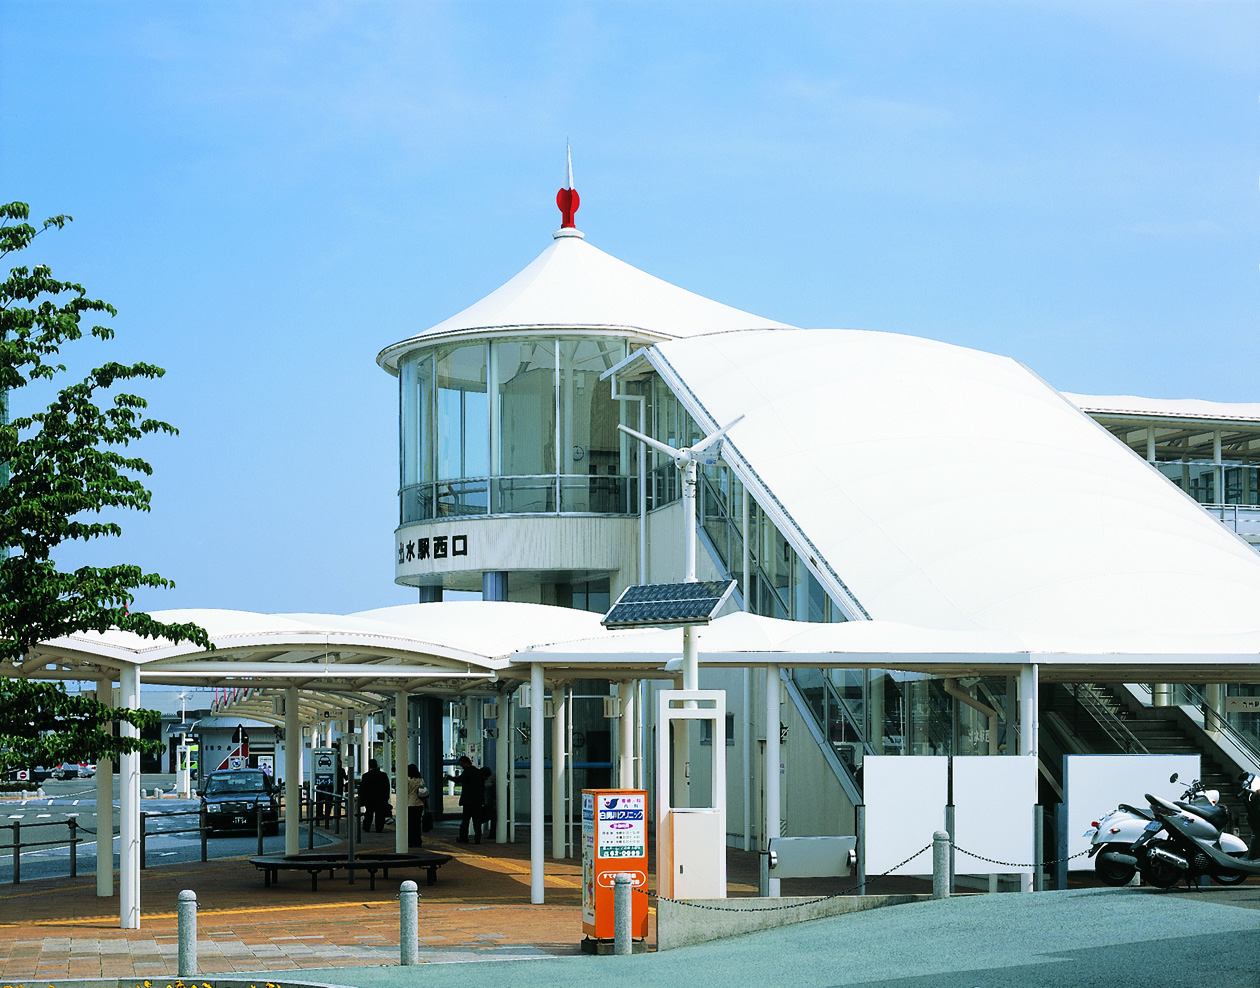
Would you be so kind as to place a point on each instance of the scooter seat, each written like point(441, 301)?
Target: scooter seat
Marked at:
point(1217, 816)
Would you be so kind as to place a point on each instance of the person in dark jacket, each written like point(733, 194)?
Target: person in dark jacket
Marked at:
point(374, 796)
point(471, 782)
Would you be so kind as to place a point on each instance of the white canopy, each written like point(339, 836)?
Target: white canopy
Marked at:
point(1195, 409)
point(572, 285)
point(955, 490)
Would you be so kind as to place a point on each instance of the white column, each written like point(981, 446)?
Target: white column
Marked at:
point(402, 811)
point(367, 726)
point(537, 811)
point(292, 771)
point(746, 732)
point(129, 805)
point(559, 733)
point(1027, 733)
point(625, 736)
point(105, 805)
point(503, 759)
point(772, 764)
point(691, 660)
point(689, 521)
point(1213, 694)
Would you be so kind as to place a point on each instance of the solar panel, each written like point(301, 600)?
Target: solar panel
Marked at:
point(655, 605)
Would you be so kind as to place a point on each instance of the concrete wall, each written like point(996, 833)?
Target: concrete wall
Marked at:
point(681, 924)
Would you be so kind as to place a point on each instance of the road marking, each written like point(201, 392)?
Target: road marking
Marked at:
point(41, 816)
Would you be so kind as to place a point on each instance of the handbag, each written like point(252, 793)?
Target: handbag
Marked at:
point(426, 821)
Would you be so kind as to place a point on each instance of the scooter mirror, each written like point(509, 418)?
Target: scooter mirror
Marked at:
point(1173, 777)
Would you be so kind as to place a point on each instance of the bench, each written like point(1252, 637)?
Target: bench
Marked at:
point(370, 861)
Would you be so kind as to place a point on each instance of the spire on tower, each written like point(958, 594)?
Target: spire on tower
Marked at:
point(567, 198)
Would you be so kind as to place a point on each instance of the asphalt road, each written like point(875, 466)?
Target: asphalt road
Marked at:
point(45, 819)
point(1070, 939)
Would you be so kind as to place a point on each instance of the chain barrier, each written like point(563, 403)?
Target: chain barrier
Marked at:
point(790, 905)
point(854, 888)
point(1013, 864)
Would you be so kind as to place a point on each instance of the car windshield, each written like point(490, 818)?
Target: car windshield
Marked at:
point(234, 782)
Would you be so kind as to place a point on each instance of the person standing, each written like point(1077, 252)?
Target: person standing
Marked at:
point(374, 796)
point(471, 782)
point(417, 805)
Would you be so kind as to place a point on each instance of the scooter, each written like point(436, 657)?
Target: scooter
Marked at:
point(1113, 836)
point(1185, 841)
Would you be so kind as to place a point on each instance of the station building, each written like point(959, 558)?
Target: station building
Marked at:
point(935, 553)
point(867, 477)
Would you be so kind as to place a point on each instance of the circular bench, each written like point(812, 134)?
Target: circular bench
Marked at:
point(370, 861)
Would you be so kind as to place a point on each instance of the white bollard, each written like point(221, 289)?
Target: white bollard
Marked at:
point(940, 865)
point(623, 910)
point(187, 914)
point(408, 924)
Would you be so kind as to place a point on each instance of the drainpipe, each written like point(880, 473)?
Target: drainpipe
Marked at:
point(952, 689)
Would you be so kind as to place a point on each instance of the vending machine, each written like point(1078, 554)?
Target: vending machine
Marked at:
point(614, 840)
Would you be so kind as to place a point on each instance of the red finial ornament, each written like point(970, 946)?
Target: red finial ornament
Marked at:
point(567, 198)
point(568, 201)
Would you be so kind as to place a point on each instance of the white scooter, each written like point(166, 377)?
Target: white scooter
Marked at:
point(1185, 841)
point(1112, 837)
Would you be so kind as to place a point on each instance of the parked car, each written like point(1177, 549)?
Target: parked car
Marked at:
point(66, 770)
point(234, 798)
point(87, 770)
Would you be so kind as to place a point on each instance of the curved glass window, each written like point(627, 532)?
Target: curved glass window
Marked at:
point(516, 426)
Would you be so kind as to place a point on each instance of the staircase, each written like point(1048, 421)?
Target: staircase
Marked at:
point(1104, 719)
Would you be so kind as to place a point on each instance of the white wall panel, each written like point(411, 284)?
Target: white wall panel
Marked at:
point(905, 805)
point(993, 812)
point(1095, 784)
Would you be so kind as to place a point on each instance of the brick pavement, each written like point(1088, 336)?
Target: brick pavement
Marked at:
point(478, 910)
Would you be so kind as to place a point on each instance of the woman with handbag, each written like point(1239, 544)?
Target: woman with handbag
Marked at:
point(417, 806)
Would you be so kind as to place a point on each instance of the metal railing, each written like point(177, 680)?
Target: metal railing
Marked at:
point(150, 825)
point(1090, 699)
point(1215, 720)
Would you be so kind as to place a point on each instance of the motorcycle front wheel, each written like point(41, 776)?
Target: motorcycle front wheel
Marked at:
point(1229, 877)
point(1110, 873)
point(1160, 874)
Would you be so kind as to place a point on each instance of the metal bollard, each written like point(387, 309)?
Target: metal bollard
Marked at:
point(623, 909)
point(408, 924)
point(187, 913)
point(74, 847)
point(940, 865)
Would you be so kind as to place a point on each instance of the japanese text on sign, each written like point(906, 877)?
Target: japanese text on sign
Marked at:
point(432, 547)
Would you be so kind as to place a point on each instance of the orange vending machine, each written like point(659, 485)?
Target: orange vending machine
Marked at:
point(614, 840)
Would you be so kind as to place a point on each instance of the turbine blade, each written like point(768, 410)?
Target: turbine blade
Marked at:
point(713, 437)
point(669, 451)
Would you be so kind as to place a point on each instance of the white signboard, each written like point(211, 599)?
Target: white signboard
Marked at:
point(1242, 704)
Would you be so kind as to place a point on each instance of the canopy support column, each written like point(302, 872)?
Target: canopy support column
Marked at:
point(292, 771)
point(402, 808)
point(1027, 732)
point(537, 725)
point(503, 761)
point(559, 734)
point(129, 805)
point(105, 805)
point(625, 736)
point(771, 769)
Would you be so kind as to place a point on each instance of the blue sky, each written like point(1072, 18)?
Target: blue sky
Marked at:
point(271, 193)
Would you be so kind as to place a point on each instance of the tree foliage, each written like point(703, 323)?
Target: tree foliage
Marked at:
point(66, 464)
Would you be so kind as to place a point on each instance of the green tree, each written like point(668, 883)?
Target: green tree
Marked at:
point(63, 466)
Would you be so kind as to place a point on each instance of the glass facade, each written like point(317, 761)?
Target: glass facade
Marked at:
point(513, 426)
point(1211, 483)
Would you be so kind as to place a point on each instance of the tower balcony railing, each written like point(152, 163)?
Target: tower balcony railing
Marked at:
point(543, 494)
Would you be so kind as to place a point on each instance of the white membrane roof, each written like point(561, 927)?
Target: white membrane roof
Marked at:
point(1122, 406)
point(573, 285)
point(953, 489)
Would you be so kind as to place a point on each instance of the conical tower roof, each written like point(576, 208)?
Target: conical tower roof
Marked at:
point(572, 285)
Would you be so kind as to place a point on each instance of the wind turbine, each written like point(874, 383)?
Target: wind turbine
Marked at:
point(706, 451)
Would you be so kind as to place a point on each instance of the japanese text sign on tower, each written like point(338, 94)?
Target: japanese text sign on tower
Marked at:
point(614, 841)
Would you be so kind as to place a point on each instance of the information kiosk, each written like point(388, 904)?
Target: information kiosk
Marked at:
point(614, 841)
